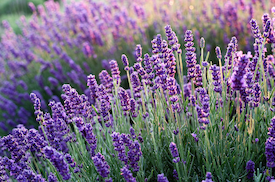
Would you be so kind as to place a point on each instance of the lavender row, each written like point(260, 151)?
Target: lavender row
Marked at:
point(164, 126)
point(63, 43)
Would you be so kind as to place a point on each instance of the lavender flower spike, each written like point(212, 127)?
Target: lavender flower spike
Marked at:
point(250, 168)
point(101, 165)
point(208, 177)
point(174, 152)
point(162, 178)
point(128, 176)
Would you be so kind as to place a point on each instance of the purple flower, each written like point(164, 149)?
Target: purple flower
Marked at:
point(198, 75)
point(162, 178)
point(124, 100)
point(257, 94)
point(126, 173)
point(250, 169)
point(255, 29)
point(52, 178)
point(176, 131)
point(58, 160)
point(139, 52)
point(133, 108)
point(115, 71)
point(138, 67)
point(136, 85)
point(171, 86)
point(119, 147)
point(190, 54)
point(195, 137)
point(132, 132)
point(101, 165)
point(87, 132)
point(237, 78)
point(270, 144)
point(175, 174)
point(172, 38)
point(218, 52)
point(92, 84)
point(134, 155)
point(216, 76)
point(236, 127)
point(106, 80)
point(174, 150)
point(267, 29)
point(208, 177)
point(125, 62)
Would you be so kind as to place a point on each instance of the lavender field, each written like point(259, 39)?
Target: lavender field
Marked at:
point(140, 90)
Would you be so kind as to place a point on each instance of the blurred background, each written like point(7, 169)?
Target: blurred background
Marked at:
point(12, 10)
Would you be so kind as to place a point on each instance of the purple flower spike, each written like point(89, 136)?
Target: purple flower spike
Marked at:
point(195, 137)
point(250, 169)
point(128, 176)
point(58, 160)
point(101, 165)
point(162, 178)
point(237, 79)
point(255, 29)
point(92, 84)
point(138, 51)
point(175, 174)
point(267, 29)
point(218, 52)
point(124, 99)
point(115, 71)
point(106, 80)
point(125, 62)
point(190, 54)
point(208, 177)
point(52, 178)
point(174, 150)
point(216, 76)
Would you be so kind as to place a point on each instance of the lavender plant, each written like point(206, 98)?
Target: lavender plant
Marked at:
point(212, 123)
point(62, 43)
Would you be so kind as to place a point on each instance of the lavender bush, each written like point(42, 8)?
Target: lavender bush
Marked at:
point(214, 124)
point(64, 43)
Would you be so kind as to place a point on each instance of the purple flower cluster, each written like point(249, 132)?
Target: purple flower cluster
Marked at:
point(120, 142)
point(106, 80)
point(237, 79)
point(87, 132)
point(250, 169)
point(270, 145)
point(124, 100)
point(171, 86)
point(162, 178)
point(216, 76)
point(174, 152)
point(203, 110)
point(198, 76)
point(126, 173)
point(101, 165)
point(104, 105)
point(190, 54)
point(58, 160)
point(208, 177)
point(115, 71)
